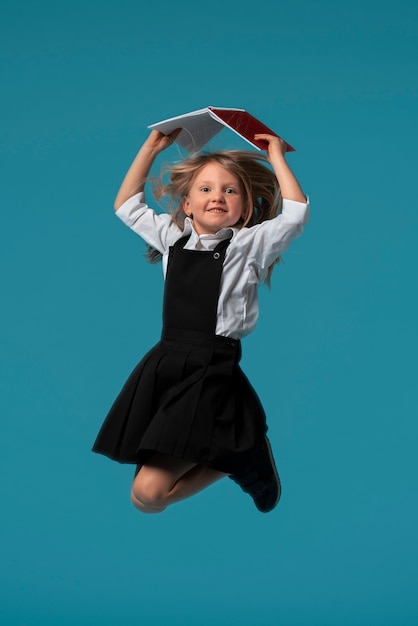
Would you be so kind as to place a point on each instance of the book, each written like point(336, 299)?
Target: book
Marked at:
point(198, 127)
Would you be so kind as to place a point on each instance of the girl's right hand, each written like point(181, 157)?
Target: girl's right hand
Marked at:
point(157, 141)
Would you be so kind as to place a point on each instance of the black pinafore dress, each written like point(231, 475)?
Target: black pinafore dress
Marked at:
point(188, 397)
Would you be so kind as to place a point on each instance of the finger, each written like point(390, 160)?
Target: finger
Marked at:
point(267, 137)
point(156, 134)
point(171, 137)
point(175, 133)
point(273, 141)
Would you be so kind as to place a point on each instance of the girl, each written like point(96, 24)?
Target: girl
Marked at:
point(187, 415)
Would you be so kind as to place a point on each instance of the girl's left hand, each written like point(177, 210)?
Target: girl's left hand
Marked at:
point(275, 145)
point(276, 148)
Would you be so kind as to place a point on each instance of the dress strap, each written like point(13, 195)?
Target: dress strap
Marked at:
point(180, 243)
point(222, 245)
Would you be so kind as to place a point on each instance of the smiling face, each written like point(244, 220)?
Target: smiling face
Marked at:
point(214, 200)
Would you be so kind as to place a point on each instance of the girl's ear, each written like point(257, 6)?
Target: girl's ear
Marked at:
point(186, 206)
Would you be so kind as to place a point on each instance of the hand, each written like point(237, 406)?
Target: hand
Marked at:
point(157, 141)
point(276, 148)
point(275, 145)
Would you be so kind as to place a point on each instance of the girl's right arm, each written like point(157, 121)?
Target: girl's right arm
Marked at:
point(135, 179)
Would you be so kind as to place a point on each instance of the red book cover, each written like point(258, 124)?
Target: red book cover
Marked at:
point(246, 125)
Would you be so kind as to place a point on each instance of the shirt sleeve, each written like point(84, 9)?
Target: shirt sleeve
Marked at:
point(157, 230)
point(265, 242)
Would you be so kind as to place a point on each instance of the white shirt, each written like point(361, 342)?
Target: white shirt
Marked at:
point(248, 256)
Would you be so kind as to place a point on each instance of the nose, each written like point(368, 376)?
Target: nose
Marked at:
point(217, 195)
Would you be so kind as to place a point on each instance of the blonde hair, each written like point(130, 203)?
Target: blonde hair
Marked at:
point(262, 199)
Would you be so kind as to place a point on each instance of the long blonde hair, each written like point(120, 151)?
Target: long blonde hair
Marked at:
point(262, 199)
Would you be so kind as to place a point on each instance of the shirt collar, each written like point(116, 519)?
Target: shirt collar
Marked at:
point(224, 233)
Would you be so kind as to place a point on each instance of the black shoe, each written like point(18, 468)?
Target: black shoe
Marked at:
point(262, 480)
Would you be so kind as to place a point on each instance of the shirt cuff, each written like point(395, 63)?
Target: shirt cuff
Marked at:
point(296, 211)
point(128, 211)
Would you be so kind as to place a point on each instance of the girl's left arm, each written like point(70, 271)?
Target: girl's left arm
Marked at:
point(276, 150)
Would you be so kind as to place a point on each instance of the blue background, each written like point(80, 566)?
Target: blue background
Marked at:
point(333, 357)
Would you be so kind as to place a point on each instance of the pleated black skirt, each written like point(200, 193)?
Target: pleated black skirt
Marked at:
point(187, 398)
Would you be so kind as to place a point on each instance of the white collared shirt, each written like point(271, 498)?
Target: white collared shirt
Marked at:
point(248, 256)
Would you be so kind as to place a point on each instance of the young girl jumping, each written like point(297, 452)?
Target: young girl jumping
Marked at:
point(187, 415)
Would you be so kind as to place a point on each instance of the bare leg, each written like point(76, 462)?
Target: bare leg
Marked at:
point(164, 480)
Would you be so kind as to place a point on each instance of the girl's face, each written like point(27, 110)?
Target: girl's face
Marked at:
point(214, 200)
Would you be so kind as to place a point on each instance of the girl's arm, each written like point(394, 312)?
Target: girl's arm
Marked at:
point(289, 186)
point(135, 179)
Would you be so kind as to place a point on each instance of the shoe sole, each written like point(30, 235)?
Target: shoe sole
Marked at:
point(276, 475)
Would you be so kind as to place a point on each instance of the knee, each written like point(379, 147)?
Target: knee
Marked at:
point(145, 508)
point(148, 495)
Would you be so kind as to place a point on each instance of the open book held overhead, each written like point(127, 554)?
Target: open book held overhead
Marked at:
point(201, 125)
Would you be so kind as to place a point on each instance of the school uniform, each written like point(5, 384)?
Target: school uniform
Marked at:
point(188, 396)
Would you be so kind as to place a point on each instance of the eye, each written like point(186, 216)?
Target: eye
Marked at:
point(205, 189)
point(230, 190)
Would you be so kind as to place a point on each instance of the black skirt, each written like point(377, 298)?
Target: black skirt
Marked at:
point(187, 398)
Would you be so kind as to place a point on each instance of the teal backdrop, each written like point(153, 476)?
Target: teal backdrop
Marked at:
point(333, 357)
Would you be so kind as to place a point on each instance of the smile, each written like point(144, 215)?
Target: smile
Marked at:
point(216, 210)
